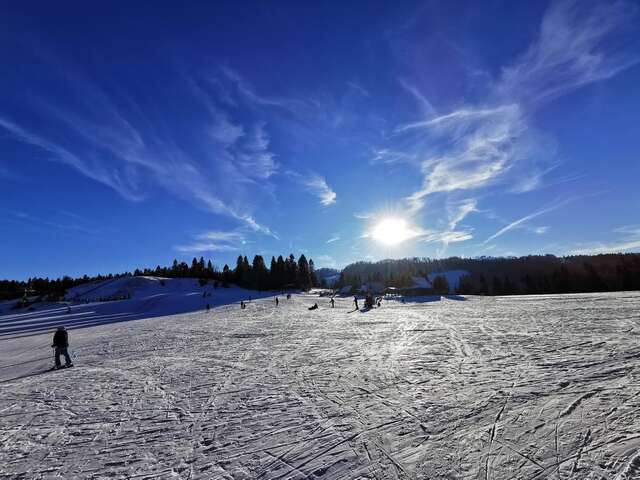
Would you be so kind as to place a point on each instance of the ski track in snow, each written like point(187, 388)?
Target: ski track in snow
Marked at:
point(488, 388)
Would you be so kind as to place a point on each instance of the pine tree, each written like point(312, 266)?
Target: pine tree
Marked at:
point(226, 276)
point(292, 271)
point(312, 273)
point(281, 279)
point(304, 276)
point(273, 271)
point(259, 273)
point(440, 285)
point(238, 272)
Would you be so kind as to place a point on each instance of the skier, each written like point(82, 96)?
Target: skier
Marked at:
point(61, 344)
point(355, 300)
point(277, 301)
point(314, 307)
point(333, 303)
point(208, 307)
point(242, 305)
point(288, 296)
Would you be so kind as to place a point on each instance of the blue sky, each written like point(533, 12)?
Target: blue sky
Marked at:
point(131, 135)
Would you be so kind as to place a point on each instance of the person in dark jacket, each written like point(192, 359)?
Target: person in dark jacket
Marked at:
point(61, 344)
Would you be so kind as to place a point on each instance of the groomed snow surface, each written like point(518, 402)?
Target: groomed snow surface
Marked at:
point(477, 388)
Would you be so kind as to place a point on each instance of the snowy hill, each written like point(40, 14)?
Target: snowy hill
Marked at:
point(494, 388)
point(144, 297)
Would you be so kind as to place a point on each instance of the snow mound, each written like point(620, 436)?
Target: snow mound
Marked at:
point(120, 300)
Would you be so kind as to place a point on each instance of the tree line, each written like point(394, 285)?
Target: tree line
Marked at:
point(533, 274)
point(284, 273)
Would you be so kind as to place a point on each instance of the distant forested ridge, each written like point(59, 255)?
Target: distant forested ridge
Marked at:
point(283, 273)
point(534, 274)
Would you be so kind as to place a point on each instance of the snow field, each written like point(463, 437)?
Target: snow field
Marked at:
point(487, 388)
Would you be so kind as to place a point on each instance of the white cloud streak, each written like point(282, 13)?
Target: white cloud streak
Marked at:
point(531, 216)
point(114, 143)
point(477, 146)
point(214, 241)
point(630, 241)
point(459, 212)
point(317, 186)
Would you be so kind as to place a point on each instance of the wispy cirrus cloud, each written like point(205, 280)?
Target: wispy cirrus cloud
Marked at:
point(64, 221)
point(628, 240)
point(460, 210)
point(321, 189)
point(214, 241)
point(317, 186)
point(495, 142)
point(578, 44)
point(333, 239)
point(522, 221)
point(220, 163)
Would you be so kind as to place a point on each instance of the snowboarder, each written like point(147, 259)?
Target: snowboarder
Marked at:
point(277, 301)
point(355, 300)
point(314, 307)
point(333, 303)
point(61, 344)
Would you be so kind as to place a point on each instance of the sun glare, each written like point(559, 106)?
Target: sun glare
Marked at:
point(392, 231)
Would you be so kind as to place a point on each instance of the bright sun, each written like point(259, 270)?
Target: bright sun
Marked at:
point(391, 231)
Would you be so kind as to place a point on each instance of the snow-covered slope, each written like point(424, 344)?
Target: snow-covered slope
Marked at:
point(149, 297)
point(490, 388)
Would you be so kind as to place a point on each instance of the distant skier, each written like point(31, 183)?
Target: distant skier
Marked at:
point(208, 307)
point(288, 296)
point(314, 307)
point(242, 305)
point(355, 300)
point(277, 302)
point(333, 303)
point(61, 344)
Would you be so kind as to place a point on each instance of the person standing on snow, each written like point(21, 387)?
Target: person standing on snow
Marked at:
point(333, 303)
point(277, 301)
point(355, 300)
point(61, 344)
